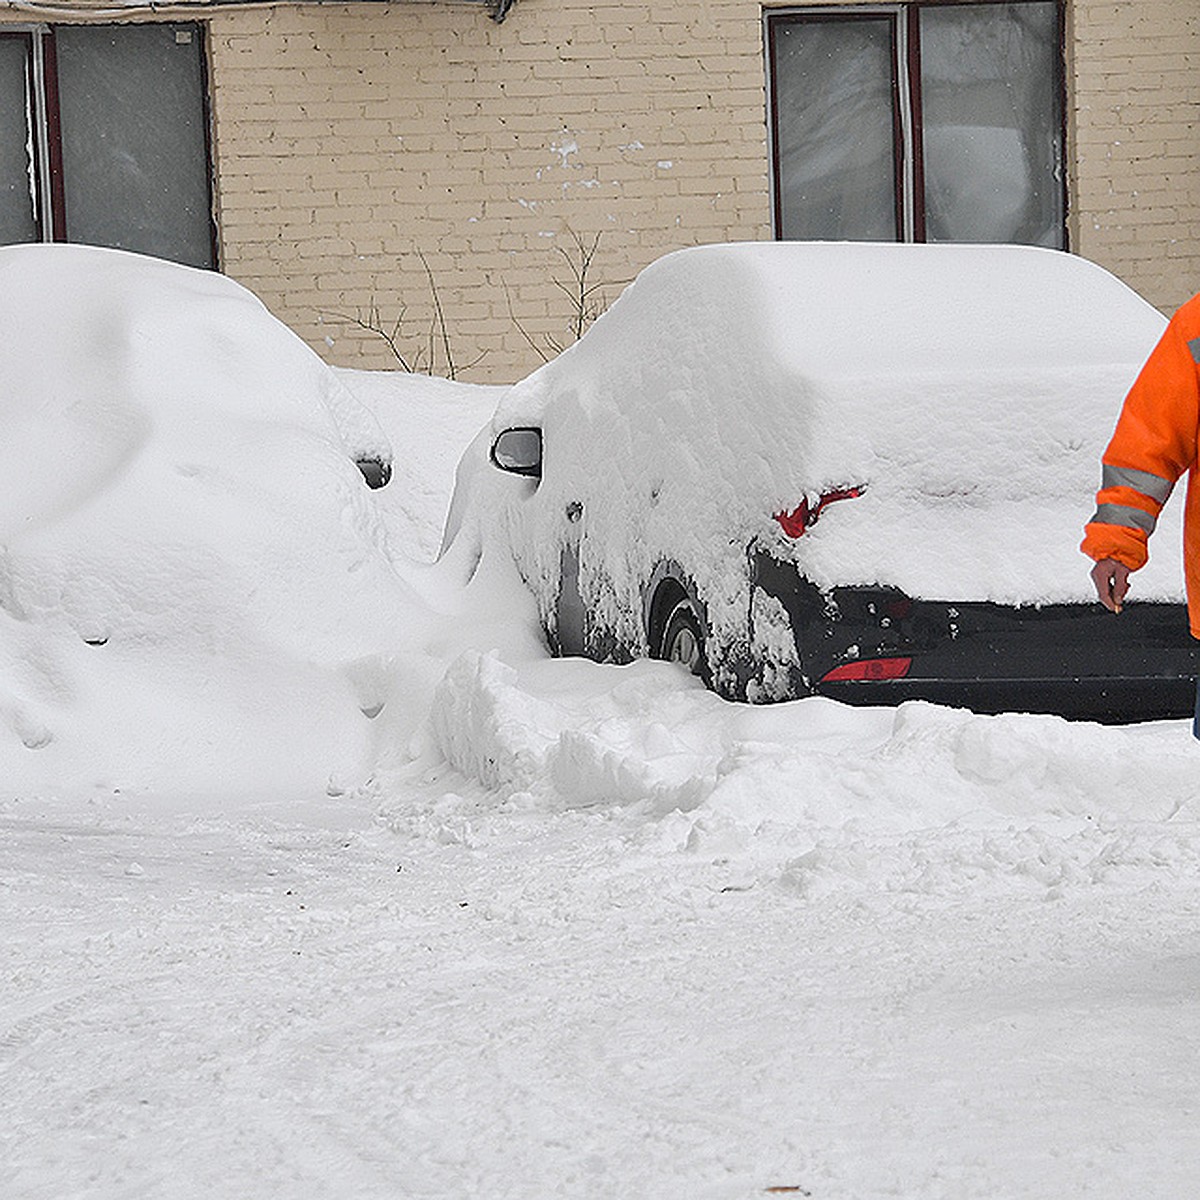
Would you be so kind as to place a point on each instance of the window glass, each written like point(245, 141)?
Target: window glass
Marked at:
point(133, 137)
point(834, 141)
point(991, 123)
point(18, 194)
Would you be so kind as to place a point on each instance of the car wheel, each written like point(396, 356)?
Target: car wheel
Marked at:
point(683, 640)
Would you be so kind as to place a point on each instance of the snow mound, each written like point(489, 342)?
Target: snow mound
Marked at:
point(427, 421)
point(195, 589)
point(812, 790)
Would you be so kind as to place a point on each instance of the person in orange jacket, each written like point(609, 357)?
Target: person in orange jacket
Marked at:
point(1156, 440)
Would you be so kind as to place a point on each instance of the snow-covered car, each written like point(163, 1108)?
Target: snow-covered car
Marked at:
point(114, 310)
point(849, 469)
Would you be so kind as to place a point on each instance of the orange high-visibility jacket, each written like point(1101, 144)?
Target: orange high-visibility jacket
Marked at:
point(1156, 440)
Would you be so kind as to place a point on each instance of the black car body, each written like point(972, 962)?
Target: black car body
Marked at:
point(866, 645)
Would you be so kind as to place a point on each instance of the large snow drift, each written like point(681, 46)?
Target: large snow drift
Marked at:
point(969, 389)
point(194, 584)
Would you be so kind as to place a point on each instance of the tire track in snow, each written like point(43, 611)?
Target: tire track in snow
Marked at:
point(24, 1023)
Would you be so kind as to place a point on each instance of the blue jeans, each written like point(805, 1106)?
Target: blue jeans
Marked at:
point(1196, 719)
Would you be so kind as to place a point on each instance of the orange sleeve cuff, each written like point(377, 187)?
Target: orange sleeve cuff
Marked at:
point(1120, 542)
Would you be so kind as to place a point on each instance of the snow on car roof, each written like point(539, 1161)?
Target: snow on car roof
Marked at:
point(970, 389)
point(867, 310)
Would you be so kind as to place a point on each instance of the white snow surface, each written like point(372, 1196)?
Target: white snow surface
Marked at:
point(535, 928)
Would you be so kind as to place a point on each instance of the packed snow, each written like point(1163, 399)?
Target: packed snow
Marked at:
point(318, 878)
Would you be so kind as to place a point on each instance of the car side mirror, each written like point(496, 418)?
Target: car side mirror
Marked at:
point(519, 451)
point(376, 471)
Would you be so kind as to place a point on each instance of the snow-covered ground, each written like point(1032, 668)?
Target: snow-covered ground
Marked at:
point(317, 878)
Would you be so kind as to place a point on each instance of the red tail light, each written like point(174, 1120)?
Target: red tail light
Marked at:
point(869, 669)
point(805, 515)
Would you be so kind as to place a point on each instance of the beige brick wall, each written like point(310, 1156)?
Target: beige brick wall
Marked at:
point(359, 145)
point(1135, 128)
point(356, 140)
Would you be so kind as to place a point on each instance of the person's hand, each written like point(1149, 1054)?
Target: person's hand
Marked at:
point(1112, 582)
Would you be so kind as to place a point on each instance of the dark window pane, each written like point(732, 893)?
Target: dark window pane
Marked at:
point(18, 192)
point(834, 128)
point(135, 159)
point(992, 123)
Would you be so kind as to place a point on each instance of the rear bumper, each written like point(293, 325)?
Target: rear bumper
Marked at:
point(1075, 660)
point(1110, 701)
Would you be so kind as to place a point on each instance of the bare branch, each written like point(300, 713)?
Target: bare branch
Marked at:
point(373, 323)
point(580, 292)
point(521, 328)
point(441, 320)
point(438, 332)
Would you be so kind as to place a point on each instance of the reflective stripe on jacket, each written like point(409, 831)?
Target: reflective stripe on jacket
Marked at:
point(1157, 440)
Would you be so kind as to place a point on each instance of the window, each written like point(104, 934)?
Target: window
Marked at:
point(932, 121)
point(104, 139)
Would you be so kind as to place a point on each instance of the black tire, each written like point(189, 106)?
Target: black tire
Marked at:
point(683, 640)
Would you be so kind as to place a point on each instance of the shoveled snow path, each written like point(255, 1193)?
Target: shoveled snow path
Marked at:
point(472, 998)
